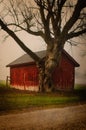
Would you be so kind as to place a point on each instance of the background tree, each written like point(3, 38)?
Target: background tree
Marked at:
point(56, 21)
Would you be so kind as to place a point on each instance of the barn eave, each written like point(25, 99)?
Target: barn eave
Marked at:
point(72, 60)
point(18, 65)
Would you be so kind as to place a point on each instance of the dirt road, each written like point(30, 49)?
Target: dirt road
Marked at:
point(68, 118)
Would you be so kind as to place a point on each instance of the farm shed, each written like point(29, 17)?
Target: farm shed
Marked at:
point(24, 73)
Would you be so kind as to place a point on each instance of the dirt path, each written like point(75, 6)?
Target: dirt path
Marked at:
point(68, 118)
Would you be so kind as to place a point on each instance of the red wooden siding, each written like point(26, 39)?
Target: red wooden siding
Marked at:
point(64, 75)
point(24, 76)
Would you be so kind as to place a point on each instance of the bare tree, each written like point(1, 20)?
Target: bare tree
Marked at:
point(56, 21)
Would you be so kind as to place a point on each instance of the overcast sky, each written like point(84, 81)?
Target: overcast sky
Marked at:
point(9, 51)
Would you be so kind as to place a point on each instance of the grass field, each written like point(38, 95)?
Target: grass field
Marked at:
point(12, 99)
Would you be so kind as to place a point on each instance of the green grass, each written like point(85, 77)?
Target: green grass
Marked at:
point(11, 99)
point(2, 83)
point(15, 101)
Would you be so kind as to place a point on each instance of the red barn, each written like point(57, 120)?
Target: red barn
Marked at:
point(24, 73)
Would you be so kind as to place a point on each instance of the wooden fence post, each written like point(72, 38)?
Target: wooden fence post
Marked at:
point(7, 81)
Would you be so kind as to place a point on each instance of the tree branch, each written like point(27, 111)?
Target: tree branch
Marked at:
point(45, 18)
point(60, 5)
point(38, 33)
point(76, 34)
point(79, 6)
point(19, 42)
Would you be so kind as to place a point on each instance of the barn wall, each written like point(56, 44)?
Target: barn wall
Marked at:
point(24, 77)
point(64, 75)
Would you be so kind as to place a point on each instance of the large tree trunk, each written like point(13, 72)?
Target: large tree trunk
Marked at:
point(47, 67)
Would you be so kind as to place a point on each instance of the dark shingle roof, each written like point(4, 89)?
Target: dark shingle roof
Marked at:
point(26, 59)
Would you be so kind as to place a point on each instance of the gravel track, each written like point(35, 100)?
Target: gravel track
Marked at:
point(67, 118)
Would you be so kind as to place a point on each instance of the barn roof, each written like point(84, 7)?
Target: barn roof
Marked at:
point(26, 59)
